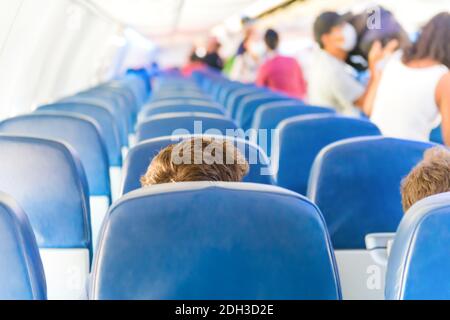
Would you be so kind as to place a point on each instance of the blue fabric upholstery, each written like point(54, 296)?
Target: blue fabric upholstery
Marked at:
point(119, 116)
point(248, 107)
point(118, 99)
point(356, 184)
point(235, 99)
point(420, 261)
point(141, 155)
point(215, 241)
point(301, 139)
point(78, 132)
point(269, 116)
point(182, 124)
point(175, 99)
point(181, 108)
point(436, 135)
point(103, 118)
point(127, 93)
point(48, 182)
point(21, 272)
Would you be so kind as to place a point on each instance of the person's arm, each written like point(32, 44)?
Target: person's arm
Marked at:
point(377, 53)
point(301, 79)
point(261, 78)
point(443, 102)
point(371, 93)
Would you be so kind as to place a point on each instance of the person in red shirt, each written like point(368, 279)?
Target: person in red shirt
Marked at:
point(281, 73)
point(195, 63)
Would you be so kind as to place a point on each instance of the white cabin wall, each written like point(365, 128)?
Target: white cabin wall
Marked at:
point(53, 48)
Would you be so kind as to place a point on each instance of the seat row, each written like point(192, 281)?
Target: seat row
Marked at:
point(207, 251)
point(311, 251)
point(62, 165)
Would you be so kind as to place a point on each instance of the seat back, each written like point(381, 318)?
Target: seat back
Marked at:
point(436, 135)
point(141, 155)
point(236, 98)
point(249, 105)
point(269, 116)
point(181, 108)
point(182, 101)
point(104, 119)
point(77, 131)
point(21, 272)
point(183, 124)
point(356, 183)
point(301, 139)
point(419, 260)
point(48, 182)
point(119, 101)
point(238, 254)
point(119, 116)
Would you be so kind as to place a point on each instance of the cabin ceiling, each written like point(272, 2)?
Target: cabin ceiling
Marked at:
point(160, 19)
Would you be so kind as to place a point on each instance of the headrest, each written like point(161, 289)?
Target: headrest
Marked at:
point(119, 115)
point(48, 182)
point(112, 98)
point(270, 115)
point(77, 131)
point(236, 96)
point(21, 272)
point(302, 138)
point(182, 101)
point(140, 156)
point(248, 107)
point(356, 184)
point(182, 124)
point(419, 260)
point(102, 117)
point(208, 240)
point(180, 108)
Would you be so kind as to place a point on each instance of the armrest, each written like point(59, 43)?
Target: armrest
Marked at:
point(379, 240)
point(379, 246)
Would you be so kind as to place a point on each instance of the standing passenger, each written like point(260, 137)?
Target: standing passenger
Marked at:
point(413, 95)
point(280, 73)
point(212, 58)
point(332, 81)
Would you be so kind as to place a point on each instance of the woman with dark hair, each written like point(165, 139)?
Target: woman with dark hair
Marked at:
point(413, 95)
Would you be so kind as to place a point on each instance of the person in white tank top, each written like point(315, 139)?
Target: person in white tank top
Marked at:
point(413, 92)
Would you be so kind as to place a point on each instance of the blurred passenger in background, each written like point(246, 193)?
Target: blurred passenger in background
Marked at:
point(332, 81)
point(212, 57)
point(372, 25)
point(281, 73)
point(246, 63)
point(413, 95)
point(195, 63)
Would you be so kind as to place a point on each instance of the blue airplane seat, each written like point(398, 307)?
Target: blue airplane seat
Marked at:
point(184, 124)
point(105, 121)
point(249, 105)
point(118, 114)
point(21, 272)
point(204, 240)
point(356, 184)
point(269, 116)
point(419, 259)
point(79, 132)
point(47, 180)
point(180, 108)
point(302, 138)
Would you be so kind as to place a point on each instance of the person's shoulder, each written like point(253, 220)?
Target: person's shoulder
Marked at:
point(444, 83)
